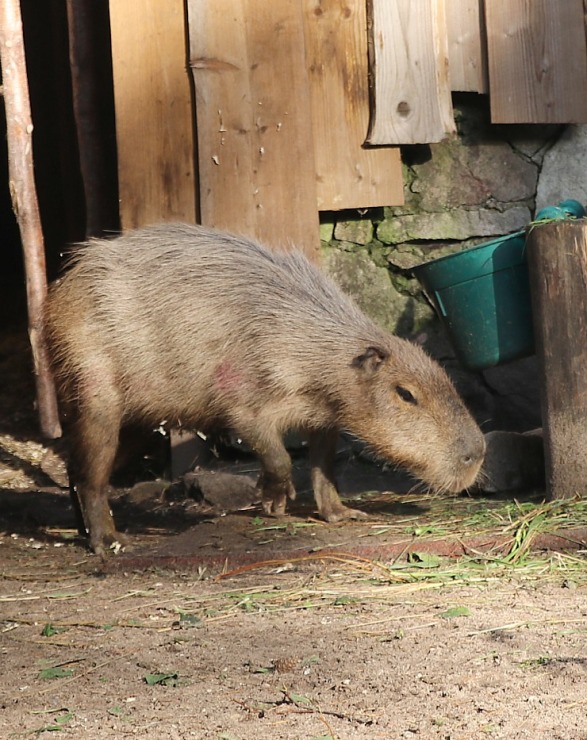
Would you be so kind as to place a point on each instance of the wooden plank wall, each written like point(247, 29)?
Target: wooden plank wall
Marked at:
point(256, 153)
point(537, 61)
point(154, 121)
point(348, 174)
point(408, 57)
point(467, 51)
point(281, 134)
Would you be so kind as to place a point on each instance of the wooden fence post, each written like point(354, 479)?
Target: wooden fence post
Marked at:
point(24, 202)
point(557, 260)
point(93, 107)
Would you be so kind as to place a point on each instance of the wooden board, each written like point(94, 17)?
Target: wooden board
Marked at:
point(348, 174)
point(537, 61)
point(154, 126)
point(255, 148)
point(408, 59)
point(467, 46)
point(557, 261)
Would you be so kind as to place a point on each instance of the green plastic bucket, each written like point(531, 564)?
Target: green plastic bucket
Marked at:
point(483, 298)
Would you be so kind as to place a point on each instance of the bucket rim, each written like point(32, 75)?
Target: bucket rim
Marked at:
point(453, 269)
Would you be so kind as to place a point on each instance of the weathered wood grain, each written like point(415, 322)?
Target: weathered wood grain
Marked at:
point(537, 61)
point(254, 123)
point(557, 257)
point(154, 120)
point(408, 57)
point(467, 46)
point(349, 175)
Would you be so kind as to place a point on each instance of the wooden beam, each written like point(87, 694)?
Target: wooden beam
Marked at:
point(537, 61)
point(408, 59)
point(557, 258)
point(154, 117)
point(348, 174)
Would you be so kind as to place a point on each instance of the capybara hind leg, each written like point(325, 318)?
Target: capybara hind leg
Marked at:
point(94, 450)
point(322, 451)
point(97, 518)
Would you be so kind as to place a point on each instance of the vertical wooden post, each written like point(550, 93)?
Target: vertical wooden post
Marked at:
point(557, 259)
point(24, 202)
point(93, 107)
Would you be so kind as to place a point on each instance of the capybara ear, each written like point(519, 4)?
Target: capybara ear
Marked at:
point(370, 359)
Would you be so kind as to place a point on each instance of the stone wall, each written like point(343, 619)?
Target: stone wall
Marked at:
point(486, 181)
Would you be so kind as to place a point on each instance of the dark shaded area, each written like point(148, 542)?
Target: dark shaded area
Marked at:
point(56, 156)
point(60, 186)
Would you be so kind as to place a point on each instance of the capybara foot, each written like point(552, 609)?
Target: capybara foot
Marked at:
point(273, 508)
point(105, 542)
point(340, 513)
point(274, 498)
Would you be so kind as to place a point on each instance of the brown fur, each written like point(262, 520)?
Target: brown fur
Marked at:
point(198, 327)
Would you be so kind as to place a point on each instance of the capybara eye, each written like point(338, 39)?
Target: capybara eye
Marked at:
point(406, 395)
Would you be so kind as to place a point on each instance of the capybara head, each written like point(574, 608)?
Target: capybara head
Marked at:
point(407, 409)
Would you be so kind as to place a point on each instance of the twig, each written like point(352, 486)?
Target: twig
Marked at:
point(65, 681)
point(341, 557)
point(526, 623)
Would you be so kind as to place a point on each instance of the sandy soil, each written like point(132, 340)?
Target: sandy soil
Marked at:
point(330, 650)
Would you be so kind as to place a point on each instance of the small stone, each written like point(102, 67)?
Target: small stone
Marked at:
point(326, 232)
point(357, 232)
point(287, 664)
point(562, 173)
point(371, 287)
point(404, 260)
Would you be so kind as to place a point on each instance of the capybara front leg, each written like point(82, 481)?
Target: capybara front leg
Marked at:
point(322, 453)
point(275, 481)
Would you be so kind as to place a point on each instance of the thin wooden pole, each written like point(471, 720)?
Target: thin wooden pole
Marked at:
point(24, 203)
point(557, 260)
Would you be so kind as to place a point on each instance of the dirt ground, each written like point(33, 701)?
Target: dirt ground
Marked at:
point(233, 626)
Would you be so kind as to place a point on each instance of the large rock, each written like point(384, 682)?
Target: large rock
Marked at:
point(373, 290)
point(458, 175)
point(563, 169)
point(455, 225)
point(516, 385)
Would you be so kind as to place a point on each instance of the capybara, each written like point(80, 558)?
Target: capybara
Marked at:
point(201, 328)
